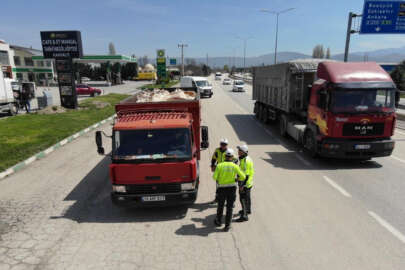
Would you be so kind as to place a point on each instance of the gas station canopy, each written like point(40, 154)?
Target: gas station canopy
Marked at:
point(122, 59)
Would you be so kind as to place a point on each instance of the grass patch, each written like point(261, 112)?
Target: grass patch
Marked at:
point(162, 85)
point(25, 135)
point(402, 94)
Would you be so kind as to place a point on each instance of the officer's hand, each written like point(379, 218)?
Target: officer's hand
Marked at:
point(212, 168)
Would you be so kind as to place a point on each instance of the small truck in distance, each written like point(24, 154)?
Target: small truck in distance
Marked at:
point(335, 109)
point(156, 148)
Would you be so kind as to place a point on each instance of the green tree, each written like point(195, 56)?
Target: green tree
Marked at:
point(398, 76)
point(226, 68)
point(328, 55)
point(318, 52)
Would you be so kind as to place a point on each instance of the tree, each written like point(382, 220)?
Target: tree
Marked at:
point(327, 53)
point(206, 70)
point(318, 52)
point(111, 49)
point(226, 68)
point(398, 76)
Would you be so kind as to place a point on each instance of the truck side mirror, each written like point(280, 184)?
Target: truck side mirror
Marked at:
point(99, 142)
point(204, 137)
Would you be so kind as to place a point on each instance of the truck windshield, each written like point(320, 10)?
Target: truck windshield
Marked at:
point(238, 83)
point(363, 100)
point(202, 83)
point(152, 144)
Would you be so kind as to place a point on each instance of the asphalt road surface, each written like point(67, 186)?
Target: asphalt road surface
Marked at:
point(307, 214)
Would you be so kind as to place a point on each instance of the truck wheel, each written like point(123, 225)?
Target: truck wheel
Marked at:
point(283, 125)
point(265, 119)
point(13, 109)
point(310, 144)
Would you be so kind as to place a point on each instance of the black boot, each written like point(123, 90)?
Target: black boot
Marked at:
point(242, 219)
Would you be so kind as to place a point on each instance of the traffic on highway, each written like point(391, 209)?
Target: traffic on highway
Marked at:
point(172, 158)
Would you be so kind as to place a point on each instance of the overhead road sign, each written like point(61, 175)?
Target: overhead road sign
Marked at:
point(383, 17)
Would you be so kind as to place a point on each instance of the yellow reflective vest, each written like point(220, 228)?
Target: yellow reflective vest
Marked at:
point(246, 165)
point(218, 156)
point(226, 172)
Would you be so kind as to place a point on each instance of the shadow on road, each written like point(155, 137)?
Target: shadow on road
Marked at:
point(289, 161)
point(248, 131)
point(92, 202)
point(207, 228)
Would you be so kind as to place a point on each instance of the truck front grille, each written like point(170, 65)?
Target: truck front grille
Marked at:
point(153, 188)
point(358, 129)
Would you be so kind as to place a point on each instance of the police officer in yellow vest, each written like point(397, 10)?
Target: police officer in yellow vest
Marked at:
point(218, 157)
point(225, 175)
point(246, 165)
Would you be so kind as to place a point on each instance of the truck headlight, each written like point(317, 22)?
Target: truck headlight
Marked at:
point(120, 189)
point(188, 186)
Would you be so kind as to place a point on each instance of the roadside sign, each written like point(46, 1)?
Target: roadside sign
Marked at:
point(173, 61)
point(160, 53)
point(383, 17)
point(161, 64)
point(62, 44)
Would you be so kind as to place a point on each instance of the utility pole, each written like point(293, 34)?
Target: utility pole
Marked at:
point(277, 13)
point(181, 45)
point(244, 51)
point(348, 33)
point(207, 59)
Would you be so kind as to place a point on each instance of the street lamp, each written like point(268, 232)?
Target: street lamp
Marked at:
point(244, 51)
point(277, 13)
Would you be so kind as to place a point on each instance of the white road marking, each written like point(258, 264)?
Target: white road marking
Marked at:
point(388, 226)
point(63, 142)
point(399, 159)
point(337, 187)
point(396, 131)
point(75, 136)
point(49, 150)
point(30, 160)
point(303, 160)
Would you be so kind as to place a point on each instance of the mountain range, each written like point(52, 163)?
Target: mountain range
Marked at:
point(393, 55)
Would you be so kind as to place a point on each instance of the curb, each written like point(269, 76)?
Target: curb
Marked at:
point(44, 153)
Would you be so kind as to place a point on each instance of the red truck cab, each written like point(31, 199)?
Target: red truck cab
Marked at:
point(155, 152)
point(351, 111)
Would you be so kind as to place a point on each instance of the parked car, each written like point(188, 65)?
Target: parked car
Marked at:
point(85, 79)
point(226, 81)
point(84, 89)
point(238, 86)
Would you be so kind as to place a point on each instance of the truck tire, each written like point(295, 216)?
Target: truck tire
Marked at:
point(256, 110)
point(310, 144)
point(283, 125)
point(265, 115)
point(13, 109)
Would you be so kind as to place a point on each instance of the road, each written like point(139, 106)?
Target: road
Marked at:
point(307, 214)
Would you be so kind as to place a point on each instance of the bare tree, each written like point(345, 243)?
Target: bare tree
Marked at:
point(318, 52)
point(328, 53)
point(111, 49)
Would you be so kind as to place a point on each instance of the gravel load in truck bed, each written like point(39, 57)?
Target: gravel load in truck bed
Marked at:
point(159, 95)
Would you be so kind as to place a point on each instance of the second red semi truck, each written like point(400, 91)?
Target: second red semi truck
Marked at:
point(335, 109)
point(156, 151)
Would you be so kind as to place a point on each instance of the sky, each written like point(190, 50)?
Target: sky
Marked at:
point(208, 27)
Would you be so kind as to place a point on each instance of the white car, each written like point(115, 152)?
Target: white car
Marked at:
point(238, 86)
point(202, 84)
point(226, 81)
point(218, 76)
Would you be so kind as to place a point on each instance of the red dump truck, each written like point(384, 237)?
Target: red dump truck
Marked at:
point(335, 109)
point(156, 151)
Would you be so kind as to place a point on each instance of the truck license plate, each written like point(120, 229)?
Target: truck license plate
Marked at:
point(362, 146)
point(153, 198)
